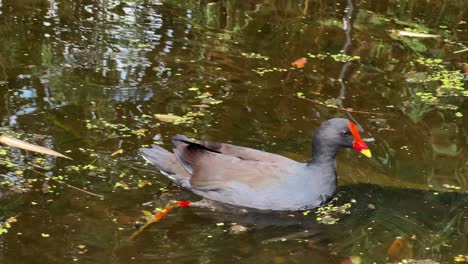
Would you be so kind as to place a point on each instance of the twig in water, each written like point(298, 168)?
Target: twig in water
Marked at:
point(3, 69)
point(94, 161)
point(460, 51)
point(70, 186)
point(344, 109)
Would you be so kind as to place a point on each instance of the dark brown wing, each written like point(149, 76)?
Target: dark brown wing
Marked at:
point(243, 152)
point(212, 165)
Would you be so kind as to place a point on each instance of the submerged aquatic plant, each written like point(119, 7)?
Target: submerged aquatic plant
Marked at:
point(449, 85)
point(451, 81)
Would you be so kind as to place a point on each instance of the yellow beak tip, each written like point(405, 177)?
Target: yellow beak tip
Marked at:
point(366, 152)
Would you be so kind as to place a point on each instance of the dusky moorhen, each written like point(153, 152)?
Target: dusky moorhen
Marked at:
point(257, 179)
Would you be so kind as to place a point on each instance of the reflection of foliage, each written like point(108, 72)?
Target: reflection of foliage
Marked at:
point(448, 85)
point(417, 106)
point(338, 57)
point(47, 56)
point(452, 81)
point(413, 43)
point(143, 53)
point(417, 27)
point(425, 237)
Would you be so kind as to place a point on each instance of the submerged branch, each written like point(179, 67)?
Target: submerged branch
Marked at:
point(344, 109)
point(69, 185)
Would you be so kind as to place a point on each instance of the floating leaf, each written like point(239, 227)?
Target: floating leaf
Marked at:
point(143, 183)
point(168, 118)
point(12, 220)
point(299, 63)
point(205, 95)
point(147, 213)
point(13, 142)
point(139, 132)
point(121, 185)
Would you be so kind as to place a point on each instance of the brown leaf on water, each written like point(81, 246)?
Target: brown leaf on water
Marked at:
point(401, 248)
point(167, 118)
point(12, 220)
point(13, 142)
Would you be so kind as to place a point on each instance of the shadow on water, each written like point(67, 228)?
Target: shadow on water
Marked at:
point(374, 221)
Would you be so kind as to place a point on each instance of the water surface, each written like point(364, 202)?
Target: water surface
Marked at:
point(86, 77)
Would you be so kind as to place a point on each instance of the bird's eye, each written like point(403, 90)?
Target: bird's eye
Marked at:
point(345, 133)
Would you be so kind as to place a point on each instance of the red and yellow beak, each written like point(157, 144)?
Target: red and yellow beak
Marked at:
point(358, 143)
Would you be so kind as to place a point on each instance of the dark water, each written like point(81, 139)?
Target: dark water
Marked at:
point(86, 77)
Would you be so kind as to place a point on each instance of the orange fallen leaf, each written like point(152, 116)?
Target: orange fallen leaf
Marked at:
point(117, 152)
point(299, 63)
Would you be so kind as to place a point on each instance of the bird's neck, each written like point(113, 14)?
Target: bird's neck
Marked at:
point(323, 154)
point(323, 166)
